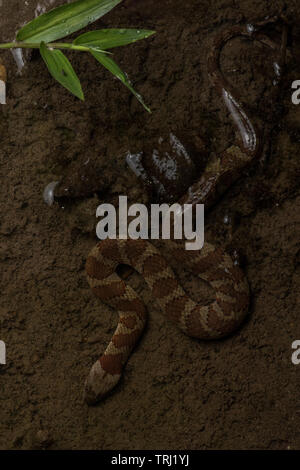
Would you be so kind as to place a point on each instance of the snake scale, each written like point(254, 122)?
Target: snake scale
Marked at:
point(212, 264)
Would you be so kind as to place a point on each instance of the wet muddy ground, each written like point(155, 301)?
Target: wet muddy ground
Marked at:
point(239, 393)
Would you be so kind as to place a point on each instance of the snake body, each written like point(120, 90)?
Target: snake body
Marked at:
point(212, 264)
point(213, 321)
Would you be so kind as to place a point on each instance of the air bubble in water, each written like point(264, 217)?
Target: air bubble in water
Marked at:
point(48, 194)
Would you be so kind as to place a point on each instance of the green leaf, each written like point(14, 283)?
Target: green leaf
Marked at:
point(61, 69)
point(108, 38)
point(64, 20)
point(111, 65)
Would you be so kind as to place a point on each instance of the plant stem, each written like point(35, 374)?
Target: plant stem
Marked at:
point(51, 45)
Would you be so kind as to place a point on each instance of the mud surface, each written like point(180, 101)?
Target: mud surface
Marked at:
point(240, 393)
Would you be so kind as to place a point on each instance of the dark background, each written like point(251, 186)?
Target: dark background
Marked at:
point(239, 393)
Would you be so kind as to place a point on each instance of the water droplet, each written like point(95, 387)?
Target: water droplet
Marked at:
point(251, 28)
point(277, 69)
point(48, 194)
point(226, 219)
point(19, 59)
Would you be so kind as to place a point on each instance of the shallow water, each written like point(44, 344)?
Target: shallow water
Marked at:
point(176, 392)
point(17, 14)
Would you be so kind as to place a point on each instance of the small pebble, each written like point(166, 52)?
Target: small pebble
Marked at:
point(43, 438)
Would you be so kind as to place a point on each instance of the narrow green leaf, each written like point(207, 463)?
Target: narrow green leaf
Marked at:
point(61, 69)
point(108, 38)
point(64, 20)
point(111, 65)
